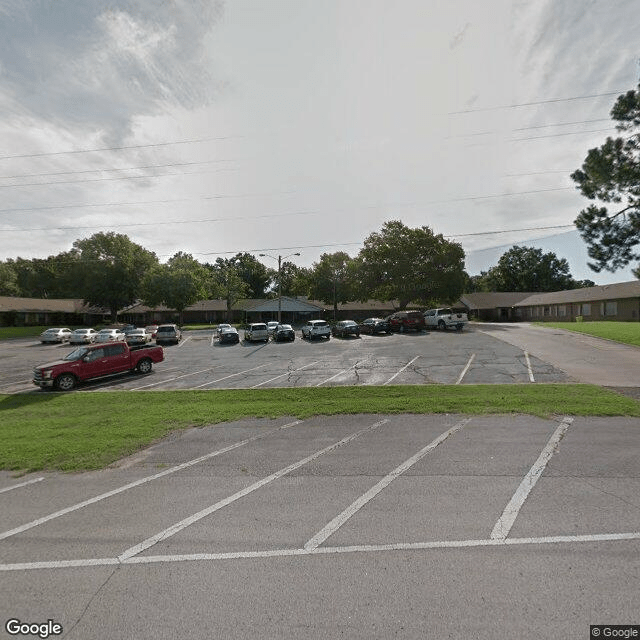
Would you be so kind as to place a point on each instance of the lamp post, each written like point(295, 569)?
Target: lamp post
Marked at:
point(279, 259)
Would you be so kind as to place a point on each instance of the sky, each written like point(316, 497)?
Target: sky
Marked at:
point(301, 126)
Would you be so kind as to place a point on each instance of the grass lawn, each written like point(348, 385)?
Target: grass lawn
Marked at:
point(20, 332)
point(80, 431)
point(625, 332)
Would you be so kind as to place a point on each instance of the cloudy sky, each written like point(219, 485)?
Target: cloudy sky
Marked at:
point(303, 125)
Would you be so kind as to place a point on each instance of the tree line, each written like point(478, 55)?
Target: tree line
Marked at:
point(397, 263)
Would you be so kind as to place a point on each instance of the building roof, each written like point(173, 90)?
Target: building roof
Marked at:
point(616, 291)
point(43, 305)
point(287, 305)
point(492, 299)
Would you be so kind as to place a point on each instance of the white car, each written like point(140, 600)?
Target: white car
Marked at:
point(110, 335)
point(316, 329)
point(137, 336)
point(83, 336)
point(55, 334)
point(256, 331)
point(221, 327)
point(444, 319)
point(271, 327)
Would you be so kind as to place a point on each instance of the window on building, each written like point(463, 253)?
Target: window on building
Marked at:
point(562, 310)
point(586, 310)
point(610, 308)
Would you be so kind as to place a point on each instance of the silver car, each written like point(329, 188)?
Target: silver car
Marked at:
point(83, 336)
point(110, 335)
point(55, 334)
point(256, 331)
point(137, 336)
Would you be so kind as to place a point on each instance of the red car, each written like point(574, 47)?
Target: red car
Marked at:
point(406, 321)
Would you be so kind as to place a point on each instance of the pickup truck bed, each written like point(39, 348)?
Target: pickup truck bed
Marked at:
point(95, 361)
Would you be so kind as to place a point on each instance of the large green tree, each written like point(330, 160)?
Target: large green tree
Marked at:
point(53, 277)
point(611, 175)
point(333, 279)
point(228, 281)
point(255, 274)
point(8, 280)
point(410, 265)
point(111, 270)
point(529, 269)
point(180, 282)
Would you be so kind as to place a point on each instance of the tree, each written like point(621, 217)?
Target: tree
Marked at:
point(611, 174)
point(8, 280)
point(296, 281)
point(177, 284)
point(53, 277)
point(251, 271)
point(528, 269)
point(333, 279)
point(410, 265)
point(228, 282)
point(112, 269)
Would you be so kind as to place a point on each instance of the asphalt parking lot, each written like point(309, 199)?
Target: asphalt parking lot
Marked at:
point(199, 362)
point(331, 527)
point(365, 526)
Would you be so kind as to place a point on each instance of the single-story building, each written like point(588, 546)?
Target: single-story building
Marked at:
point(18, 312)
point(620, 301)
point(493, 306)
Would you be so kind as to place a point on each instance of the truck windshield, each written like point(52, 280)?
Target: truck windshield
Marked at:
point(76, 354)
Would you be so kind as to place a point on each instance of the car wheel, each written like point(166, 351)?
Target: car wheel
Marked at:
point(144, 366)
point(442, 326)
point(65, 382)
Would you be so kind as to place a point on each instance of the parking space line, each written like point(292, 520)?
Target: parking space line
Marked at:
point(356, 505)
point(137, 483)
point(186, 375)
point(399, 372)
point(279, 553)
point(183, 342)
point(230, 376)
point(255, 386)
point(22, 484)
point(505, 521)
point(183, 524)
point(529, 370)
point(464, 371)
point(338, 374)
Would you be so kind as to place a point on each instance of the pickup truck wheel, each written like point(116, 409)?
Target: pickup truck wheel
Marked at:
point(459, 327)
point(442, 326)
point(65, 382)
point(144, 366)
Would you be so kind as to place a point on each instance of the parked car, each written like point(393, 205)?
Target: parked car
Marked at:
point(374, 325)
point(109, 335)
point(345, 328)
point(444, 318)
point(83, 336)
point(152, 329)
point(271, 327)
point(229, 335)
point(137, 336)
point(316, 329)
point(168, 333)
point(220, 328)
point(55, 334)
point(129, 327)
point(284, 332)
point(256, 331)
point(94, 361)
point(406, 321)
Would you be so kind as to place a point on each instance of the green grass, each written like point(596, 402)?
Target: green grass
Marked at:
point(624, 332)
point(20, 332)
point(80, 431)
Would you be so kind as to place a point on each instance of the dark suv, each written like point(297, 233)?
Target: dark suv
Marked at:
point(406, 321)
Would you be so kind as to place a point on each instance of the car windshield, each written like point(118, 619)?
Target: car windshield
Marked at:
point(76, 354)
point(258, 327)
point(320, 323)
point(284, 327)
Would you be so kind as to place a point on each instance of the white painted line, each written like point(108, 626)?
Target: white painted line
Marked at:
point(355, 506)
point(22, 484)
point(15, 383)
point(279, 553)
point(464, 371)
point(183, 524)
point(186, 375)
point(338, 374)
point(255, 386)
point(505, 521)
point(229, 376)
point(401, 370)
point(183, 342)
point(529, 370)
point(137, 483)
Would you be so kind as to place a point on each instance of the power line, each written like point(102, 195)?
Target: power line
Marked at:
point(135, 146)
point(529, 104)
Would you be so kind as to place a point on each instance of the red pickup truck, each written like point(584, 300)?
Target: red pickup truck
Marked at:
point(94, 361)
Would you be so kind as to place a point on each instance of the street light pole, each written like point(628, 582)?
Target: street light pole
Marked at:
point(279, 258)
